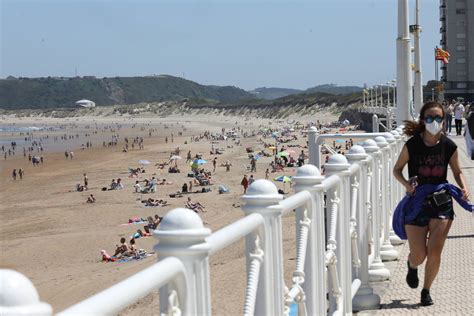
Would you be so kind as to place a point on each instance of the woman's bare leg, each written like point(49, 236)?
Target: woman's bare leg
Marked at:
point(417, 241)
point(439, 229)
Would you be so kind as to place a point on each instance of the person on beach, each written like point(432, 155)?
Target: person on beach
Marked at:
point(21, 173)
point(251, 180)
point(14, 174)
point(428, 153)
point(267, 174)
point(214, 164)
point(245, 183)
point(91, 199)
point(121, 249)
point(86, 181)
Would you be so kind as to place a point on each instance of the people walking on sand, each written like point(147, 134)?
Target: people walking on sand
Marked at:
point(245, 183)
point(14, 174)
point(86, 181)
point(214, 164)
point(253, 164)
point(71, 154)
point(66, 154)
point(428, 154)
point(251, 180)
point(458, 114)
point(267, 174)
point(21, 173)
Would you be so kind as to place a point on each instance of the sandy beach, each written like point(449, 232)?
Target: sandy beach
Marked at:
point(50, 234)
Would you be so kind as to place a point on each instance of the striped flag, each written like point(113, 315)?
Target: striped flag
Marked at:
point(442, 55)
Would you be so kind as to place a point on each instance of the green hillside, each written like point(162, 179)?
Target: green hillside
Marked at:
point(64, 92)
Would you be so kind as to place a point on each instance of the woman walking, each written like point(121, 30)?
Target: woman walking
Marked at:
point(427, 210)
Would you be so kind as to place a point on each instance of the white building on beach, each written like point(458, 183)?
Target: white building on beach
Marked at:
point(85, 103)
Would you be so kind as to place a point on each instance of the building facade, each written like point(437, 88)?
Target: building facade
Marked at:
point(457, 37)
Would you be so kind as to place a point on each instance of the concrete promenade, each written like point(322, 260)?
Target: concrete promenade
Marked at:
point(453, 289)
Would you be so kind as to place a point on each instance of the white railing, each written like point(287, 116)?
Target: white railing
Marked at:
point(352, 204)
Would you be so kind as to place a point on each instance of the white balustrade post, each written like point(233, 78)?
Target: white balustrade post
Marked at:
point(387, 251)
point(309, 178)
point(395, 187)
point(375, 123)
point(365, 297)
point(181, 234)
point(401, 143)
point(377, 270)
point(262, 197)
point(338, 165)
point(18, 296)
point(313, 148)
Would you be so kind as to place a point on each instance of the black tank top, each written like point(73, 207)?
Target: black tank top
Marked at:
point(430, 164)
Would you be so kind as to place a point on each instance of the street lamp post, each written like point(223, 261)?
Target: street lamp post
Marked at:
point(381, 95)
point(432, 94)
point(404, 86)
point(375, 90)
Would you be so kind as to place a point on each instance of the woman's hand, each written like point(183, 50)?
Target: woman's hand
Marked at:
point(465, 194)
point(410, 188)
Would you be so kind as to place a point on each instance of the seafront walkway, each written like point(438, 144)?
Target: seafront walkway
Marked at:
point(453, 289)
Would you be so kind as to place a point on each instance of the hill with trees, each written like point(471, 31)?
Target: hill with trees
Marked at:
point(59, 92)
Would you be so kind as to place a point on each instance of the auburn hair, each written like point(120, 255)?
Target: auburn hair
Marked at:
point(413, 128)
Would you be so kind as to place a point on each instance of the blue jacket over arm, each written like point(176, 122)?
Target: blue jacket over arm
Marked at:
point(410, 206)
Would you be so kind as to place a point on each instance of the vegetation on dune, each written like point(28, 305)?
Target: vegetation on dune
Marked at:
point(50, 92)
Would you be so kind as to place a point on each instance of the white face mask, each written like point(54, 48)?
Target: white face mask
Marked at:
point(434, 127)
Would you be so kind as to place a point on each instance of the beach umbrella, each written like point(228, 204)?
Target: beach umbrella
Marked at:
point(198, 162)
point(175, 157)
point(283, 154)
point(283, 179)
point(143, 162)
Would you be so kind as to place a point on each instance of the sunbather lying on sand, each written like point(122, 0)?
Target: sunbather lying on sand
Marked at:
point(152, 223)
point(154, 202)
point(194, 206)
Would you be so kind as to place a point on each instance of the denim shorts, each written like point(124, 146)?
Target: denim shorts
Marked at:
point(430, 210)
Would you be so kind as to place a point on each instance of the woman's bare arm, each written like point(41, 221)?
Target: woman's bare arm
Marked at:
point(398, 169)
point(458, 175)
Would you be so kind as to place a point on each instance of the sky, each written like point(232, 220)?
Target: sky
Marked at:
point(244, 43)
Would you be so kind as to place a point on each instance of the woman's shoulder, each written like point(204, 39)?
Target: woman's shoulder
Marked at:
point(413, 140)
point(448, 141)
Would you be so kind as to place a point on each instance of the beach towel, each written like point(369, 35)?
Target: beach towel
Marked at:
point(142, 255)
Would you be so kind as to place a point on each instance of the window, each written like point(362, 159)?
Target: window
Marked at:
point(461, 60)
point(461, 35)
point(462, 73)
point(461, 85)
point(460, 48)
point(461, 23)
point(460, 11)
